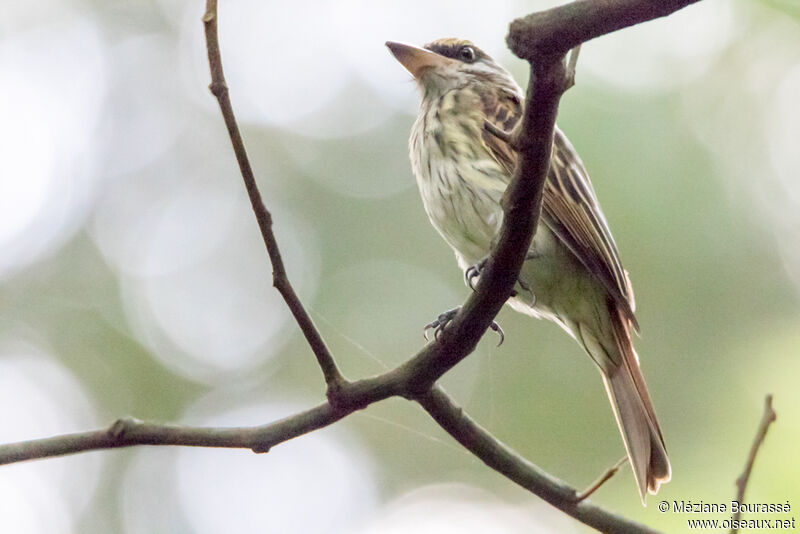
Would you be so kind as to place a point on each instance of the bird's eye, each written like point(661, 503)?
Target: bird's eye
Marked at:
point(467, 53)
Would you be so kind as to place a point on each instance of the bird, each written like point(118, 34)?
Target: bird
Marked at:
point(572, 274)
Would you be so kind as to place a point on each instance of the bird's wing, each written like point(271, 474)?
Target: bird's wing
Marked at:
point(569, 206)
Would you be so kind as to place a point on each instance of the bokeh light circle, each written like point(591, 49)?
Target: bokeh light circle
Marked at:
point(662, 54)
point(415, 22)
point(49, 100)
point(463, 509)
point(40, 397)
point(237, 491)
point(221, 316)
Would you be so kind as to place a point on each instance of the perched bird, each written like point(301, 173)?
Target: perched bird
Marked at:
point(572, 274)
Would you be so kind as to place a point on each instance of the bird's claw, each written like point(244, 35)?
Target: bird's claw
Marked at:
point(444, 319)
point(439, 323)
point(496, 327)
point(473, 272)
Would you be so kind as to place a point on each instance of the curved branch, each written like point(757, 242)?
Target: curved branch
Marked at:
point(505, 461)
point(218, 87)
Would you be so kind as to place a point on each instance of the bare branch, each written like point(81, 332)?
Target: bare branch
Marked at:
point(129, 432)
point(502, 459)
point(741, 483)
point(495, 454)
point(555, 31)
point(218, 87)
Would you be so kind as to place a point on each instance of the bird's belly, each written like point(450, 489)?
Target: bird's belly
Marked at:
point(553, 284)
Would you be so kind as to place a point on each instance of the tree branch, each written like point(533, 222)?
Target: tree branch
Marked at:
point(555, 31)
point(495, 454)
point(741, 483)
point(505, 461)
point(128, 432)
point(541, 38)
point(218, 87)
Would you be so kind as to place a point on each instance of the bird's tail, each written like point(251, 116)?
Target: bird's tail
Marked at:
point(634, 412)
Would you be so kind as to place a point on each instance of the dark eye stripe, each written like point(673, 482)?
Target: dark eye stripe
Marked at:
point(456, 51)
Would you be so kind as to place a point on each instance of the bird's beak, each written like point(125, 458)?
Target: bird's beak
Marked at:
point(417, 60)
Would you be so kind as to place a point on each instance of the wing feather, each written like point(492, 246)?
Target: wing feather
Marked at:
point(569, 206)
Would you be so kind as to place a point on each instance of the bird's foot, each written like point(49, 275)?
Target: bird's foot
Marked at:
point(473, 272)
point(444, 319)
point(439, 323)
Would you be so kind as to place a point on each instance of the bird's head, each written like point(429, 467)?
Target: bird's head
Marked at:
point(447, 64)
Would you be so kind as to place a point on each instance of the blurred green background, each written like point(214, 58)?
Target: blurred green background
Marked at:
point(133, 280)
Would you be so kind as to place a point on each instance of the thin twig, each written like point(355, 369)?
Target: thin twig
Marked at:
point(602, 479)
point(218, 87)
point(741, 483)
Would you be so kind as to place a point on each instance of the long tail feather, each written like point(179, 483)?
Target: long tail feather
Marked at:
point(635, 416)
